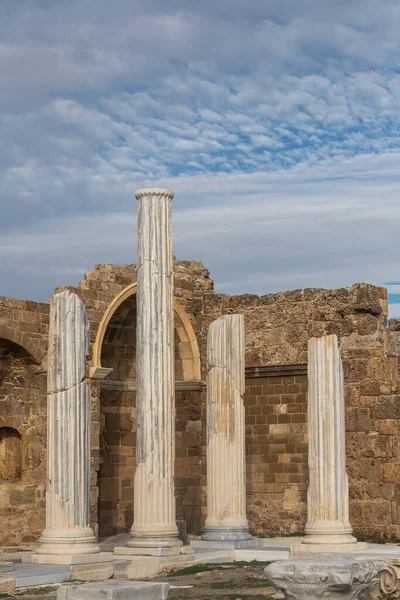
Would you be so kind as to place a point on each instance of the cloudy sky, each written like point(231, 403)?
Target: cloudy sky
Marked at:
point(277, 124)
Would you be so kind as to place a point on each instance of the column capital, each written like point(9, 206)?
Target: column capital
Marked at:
point(161, 193)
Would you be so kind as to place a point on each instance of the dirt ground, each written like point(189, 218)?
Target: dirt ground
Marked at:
point(232, 581)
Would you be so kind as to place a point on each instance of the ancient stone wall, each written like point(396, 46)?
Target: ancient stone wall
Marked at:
point(114, 399)
point(23, 342)
point(277, 329)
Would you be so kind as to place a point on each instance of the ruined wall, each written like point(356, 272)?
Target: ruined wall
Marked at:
point(23, 339)
point(277, 329)
point(114, 398)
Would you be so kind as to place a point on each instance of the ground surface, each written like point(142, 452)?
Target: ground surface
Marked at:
point(234, 581)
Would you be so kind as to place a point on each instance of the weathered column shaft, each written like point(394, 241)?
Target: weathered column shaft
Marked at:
point(154, 498)
point(226, 461)
point(328, 494)
point(68, 431)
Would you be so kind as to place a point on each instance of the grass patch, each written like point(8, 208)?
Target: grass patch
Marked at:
point(201, 568)
point(34, 591)
point(227, 585)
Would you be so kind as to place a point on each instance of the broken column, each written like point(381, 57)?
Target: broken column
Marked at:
point(154, 499)
point(226, 462)
point(68, 531)
point(328, 526)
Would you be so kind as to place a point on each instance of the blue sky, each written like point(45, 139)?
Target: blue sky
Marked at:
point(276, 124)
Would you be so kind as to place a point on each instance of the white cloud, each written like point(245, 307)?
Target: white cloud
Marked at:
point(277, 124)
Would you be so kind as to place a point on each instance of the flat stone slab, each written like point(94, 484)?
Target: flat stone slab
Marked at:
point(31, 575)
point(136, 567)
point(156, 551)
point(230, 545)
point(69, 559)
point(214, 556)
point(115, 590)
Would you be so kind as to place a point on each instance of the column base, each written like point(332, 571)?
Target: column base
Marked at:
point(329, 536)
point(226, 534)
point(156, 540)
point(70, 542)
point(325, 541)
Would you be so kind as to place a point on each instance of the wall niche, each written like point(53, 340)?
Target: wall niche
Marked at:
point(10, 453)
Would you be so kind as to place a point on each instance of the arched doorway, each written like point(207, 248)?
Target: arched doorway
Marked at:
point(114, 352)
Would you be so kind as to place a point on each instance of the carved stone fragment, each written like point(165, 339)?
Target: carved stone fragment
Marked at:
point(334, 578)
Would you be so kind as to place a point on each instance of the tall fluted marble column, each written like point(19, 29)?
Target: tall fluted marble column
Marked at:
point(226, 461)
point(154, 499)
point(68, 531)
point(328, 493)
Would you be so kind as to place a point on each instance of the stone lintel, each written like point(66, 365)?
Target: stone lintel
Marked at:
point(130, 386)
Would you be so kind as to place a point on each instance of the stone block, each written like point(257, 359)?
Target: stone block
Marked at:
point(391, 472)
point(387, 407)
point(115, 590)
point(69, 559)
point(388, 427)
point(364, 514)
point(92, 571)
point(136, 567)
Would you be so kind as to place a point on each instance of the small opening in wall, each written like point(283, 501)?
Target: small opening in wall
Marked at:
point(10, 453)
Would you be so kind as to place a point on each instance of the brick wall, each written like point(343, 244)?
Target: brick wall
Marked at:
point(276, 451)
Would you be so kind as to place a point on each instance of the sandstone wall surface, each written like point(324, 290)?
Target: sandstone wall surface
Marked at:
point(23, 343)
point(277, 329)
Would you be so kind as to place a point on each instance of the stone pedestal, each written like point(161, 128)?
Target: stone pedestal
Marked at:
point(226, 461)
point(341, 578)
point(154, 500)
point(68, 531)
point(328, 527)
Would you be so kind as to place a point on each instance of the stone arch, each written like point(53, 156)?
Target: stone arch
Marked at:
point(188, 346)
point(10, 453)
point(23, 340)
